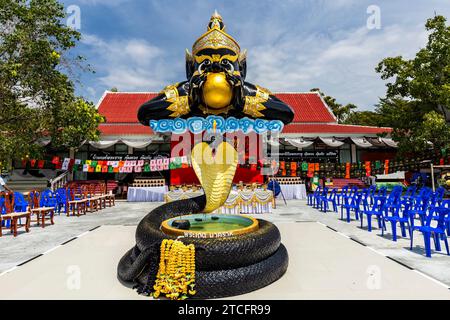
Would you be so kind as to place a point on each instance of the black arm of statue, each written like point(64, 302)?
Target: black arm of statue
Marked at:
point(172, 102)
point(271, 108)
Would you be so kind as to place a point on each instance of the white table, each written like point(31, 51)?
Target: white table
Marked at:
point(293, 191)
point(245, 201)
point(146, 194)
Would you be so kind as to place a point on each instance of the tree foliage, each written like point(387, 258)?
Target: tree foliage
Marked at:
point(417, 102)
point(341, 112)
point(37, 95)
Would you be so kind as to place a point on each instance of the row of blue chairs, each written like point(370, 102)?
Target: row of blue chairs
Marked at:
point(413, 210)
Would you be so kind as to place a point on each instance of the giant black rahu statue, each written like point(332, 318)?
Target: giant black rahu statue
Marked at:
point(183, 249)
point(216, 71)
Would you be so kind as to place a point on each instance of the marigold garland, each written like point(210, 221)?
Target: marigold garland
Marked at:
point(176, 273)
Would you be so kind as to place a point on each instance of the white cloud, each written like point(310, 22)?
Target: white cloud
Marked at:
point(110, 3)
point(128, 64)
point(342, 68)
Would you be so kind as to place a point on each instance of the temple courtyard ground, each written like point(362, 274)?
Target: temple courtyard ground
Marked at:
point(77, 257)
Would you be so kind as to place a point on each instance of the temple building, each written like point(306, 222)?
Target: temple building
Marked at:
point(313, 136)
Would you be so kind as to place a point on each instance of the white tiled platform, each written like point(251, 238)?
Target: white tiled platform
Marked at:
point(323, 265)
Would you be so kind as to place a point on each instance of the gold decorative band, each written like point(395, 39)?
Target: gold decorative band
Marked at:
point(179, 104)
point(254, 104)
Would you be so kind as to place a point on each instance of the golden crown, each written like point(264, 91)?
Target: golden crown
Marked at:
point(216, 37)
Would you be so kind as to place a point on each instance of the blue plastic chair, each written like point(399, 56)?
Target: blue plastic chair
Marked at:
point(437, 232)
point(381, 194)
point(319, 197)
point(392, 213)
point(331, 197)
point(376, 210)
point(439, 195)
point(371, 194)
point(418, 208)
point(7, 223)
point(351, 204)
point(366, 196)
point(313, 196)
point(48, 199)
point(20, 204)
point(62, 201)
point(339, 196)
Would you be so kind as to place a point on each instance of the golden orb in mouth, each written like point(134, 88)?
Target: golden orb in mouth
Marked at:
point(217, 91)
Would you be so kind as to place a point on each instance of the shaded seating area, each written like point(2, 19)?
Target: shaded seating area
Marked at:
point(408, 211)
point(39, 207)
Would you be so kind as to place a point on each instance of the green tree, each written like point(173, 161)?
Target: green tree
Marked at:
point(419, 91)
point(365, 118)
point(340, 111)
point(37, 95)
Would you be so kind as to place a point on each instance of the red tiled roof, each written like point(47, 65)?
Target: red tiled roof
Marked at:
point(308, 107)
point(333, 128)
point(122, 107)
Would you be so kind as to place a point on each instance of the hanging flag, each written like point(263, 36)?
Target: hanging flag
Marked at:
point(304, 166)
point(85, 168)
point(55, 160)
point(24, 162)
point(138, 169)
point(176, 162)
point(377, 164)
point(104, 169)
point(386, 166)
point(347, 170)
point(317, 167)
point(65, 164)
point(293, 169)
point(184, 162)
point(166, 162)
point(110, 169)
point(146, 167)
point(368, 168)
point(116, 169)
point(140, 163)
point(77, 161)
point(41, 164)
point(32, 162)
point(153, 165)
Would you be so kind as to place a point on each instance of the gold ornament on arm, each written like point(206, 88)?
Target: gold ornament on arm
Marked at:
point(254, 104)
point(179, 104)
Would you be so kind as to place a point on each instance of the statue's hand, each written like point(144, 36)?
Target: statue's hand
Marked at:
point(238, 90)
point(195, 89)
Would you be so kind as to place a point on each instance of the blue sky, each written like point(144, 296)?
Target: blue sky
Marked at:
point(293, 45)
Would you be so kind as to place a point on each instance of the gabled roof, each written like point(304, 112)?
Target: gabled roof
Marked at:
point(312, 115)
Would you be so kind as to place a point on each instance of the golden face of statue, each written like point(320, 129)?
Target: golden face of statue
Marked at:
point(217, 92)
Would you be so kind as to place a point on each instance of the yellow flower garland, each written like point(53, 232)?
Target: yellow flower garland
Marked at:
point(176, 273)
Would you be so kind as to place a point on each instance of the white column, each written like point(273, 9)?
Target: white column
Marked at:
point(353, 152)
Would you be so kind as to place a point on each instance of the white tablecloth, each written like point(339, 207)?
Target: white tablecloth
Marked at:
point(146, 194)
point(247, 201)
point(293, 191)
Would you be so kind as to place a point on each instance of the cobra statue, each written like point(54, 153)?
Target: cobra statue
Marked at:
point(224, 266)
